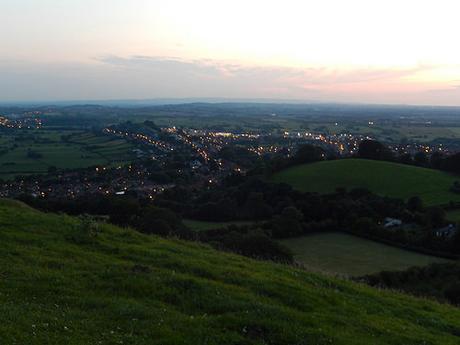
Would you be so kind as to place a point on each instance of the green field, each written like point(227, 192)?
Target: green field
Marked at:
point(80, 150)
point(65, 283)
point(453, 216)
point(198, 225)
point(344, 254)
point(389, 132)
point(384, 178)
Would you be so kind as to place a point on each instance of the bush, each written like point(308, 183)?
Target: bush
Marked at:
point(452, 294)
point(257, 245)
point(85, 231)
point(455, 187)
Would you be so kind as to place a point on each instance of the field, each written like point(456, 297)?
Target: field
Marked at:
point(64, 282)
point(453, 216)
point(344, 254)
point(57, 148)
point(389, 132)
point(384, 178)
point(198, 225)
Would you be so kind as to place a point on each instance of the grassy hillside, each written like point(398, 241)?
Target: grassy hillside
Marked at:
point(385, 178)
point(353, 256)
point(61, 284)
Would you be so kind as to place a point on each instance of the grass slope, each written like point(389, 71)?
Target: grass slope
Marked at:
point(385, 178)
point(61, 286)
point(353, 256)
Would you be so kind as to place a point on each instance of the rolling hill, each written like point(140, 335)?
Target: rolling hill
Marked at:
point(68, 281)
point(384, 178)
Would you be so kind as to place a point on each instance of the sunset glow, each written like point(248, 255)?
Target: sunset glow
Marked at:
point(347, 51)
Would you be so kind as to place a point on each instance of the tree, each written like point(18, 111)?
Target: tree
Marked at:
point(436, 160)
point(436, 216)
point(258, 245)
point(456, 242)
point(451, 163)
point(372, 149)
point(405, 158)
point(256, 207)
point(364, 225)
point(455, 187)
point(421, 159)
point(155, 220)
point(122, 210)
point(308, 154)
point(453, 294)
point(415, 204)
point(288, 224)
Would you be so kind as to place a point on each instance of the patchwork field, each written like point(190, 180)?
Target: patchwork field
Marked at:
point(384, 178)
point(35, 151)
point(344, 254)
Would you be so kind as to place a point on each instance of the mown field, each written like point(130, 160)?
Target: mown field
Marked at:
point(64, 282)
point(384, 178)
point(343, 254)
point(57, 148)
point(453, 216)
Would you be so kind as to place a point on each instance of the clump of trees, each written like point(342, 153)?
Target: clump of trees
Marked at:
point(250, 241)
point(304, 154)
point(153, 220)
point(441, 281)
point(286, 213)
point(372, 149)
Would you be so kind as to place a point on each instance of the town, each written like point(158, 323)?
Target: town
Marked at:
point(162, 157)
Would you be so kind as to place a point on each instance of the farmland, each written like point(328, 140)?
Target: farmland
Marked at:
point(344, 254)
point(384, 178)
point(36, 151)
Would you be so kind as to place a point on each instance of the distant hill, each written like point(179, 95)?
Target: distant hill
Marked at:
point(384, 178)
point(67, 281)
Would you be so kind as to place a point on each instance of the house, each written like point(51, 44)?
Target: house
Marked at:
point(447, 231)
point(195, 164)
point(391, 222)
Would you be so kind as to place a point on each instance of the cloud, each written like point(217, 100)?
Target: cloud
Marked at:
point(219, 69)
point(143, 77)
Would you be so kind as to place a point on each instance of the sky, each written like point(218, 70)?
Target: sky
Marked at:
point(365, 51)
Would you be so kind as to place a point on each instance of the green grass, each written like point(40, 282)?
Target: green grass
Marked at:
point(84, 149)
point(59, 285)
point(453, 216)
point(384, 178)
point(344, 254)
point(198, 225)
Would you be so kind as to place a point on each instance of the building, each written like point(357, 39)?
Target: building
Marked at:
point(447, 231)
point(391, 222)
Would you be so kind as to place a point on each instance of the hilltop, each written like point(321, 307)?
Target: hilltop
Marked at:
point(381, 177)
point(65, 281)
